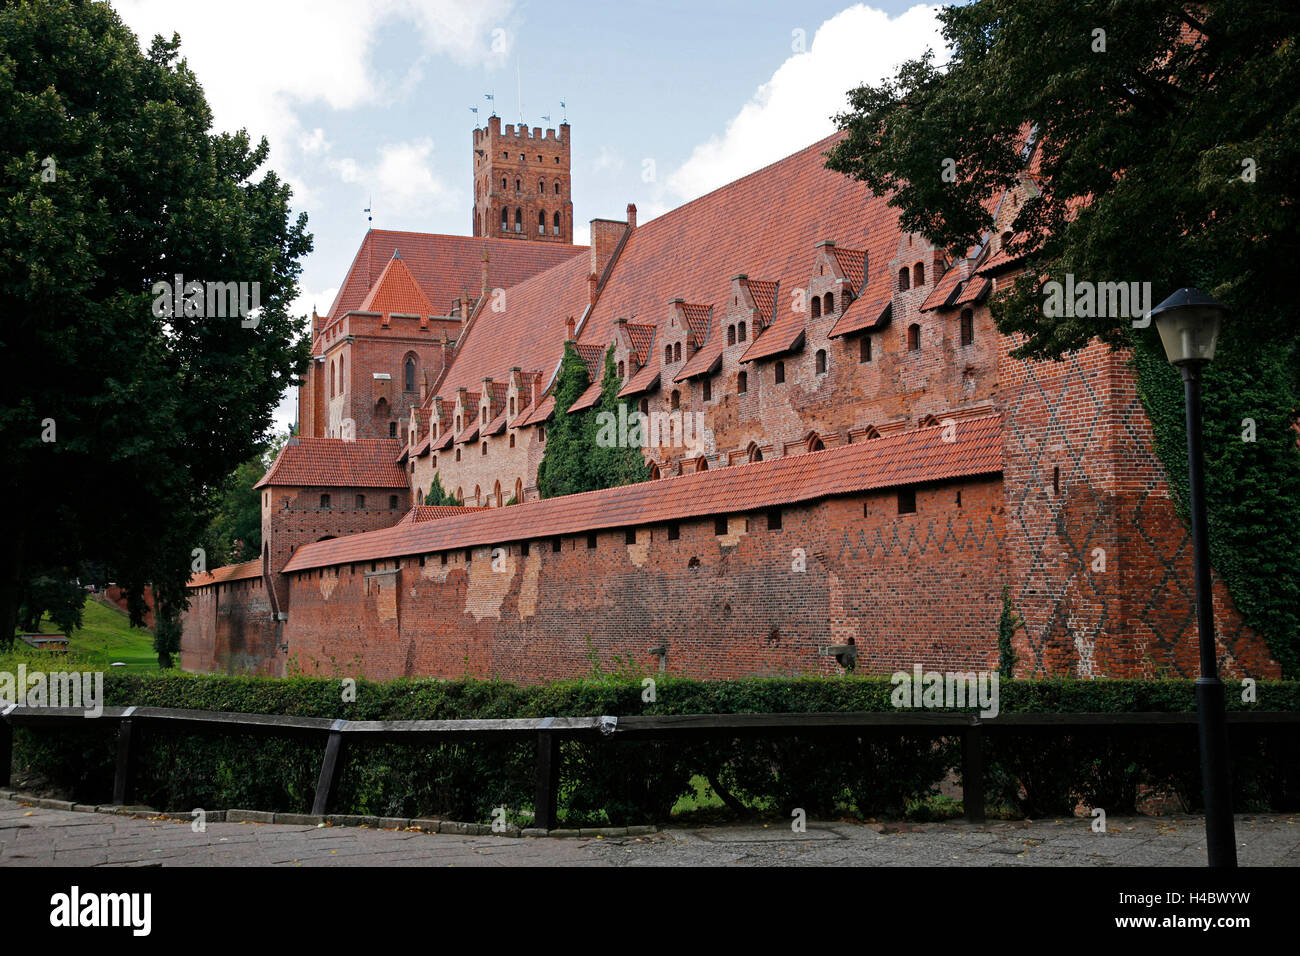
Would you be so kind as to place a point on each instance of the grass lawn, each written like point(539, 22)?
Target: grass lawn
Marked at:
point(104, 638)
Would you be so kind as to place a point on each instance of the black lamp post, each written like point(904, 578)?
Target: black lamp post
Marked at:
point(1188, 322)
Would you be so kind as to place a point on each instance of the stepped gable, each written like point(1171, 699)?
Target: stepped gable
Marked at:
point(334, 462)
point(530, 330)
point(907, 458)
point(765, 224)
point(446, 266)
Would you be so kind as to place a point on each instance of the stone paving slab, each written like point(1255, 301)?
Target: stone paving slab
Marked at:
point(41, 836)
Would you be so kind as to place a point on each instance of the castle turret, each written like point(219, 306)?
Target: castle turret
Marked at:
point(522, 183)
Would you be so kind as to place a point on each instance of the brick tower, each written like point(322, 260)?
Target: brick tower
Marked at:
point(521, 183)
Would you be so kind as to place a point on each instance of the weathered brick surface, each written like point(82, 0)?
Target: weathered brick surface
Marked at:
point(230, 628)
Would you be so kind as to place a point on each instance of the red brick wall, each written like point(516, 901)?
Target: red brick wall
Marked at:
point(512, 153)
point(230, 629)
point(921, 588)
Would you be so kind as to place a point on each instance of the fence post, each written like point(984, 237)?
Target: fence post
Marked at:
point(6, 747)
point(328, 782)
point(126, 750)
point(545, 809)
point(972, 771)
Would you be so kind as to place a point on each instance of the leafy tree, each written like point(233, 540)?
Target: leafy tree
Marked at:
point(53, 591)
point(617, 463)
point(438, 496)
point(116, 422)
point(1153, 160)
point(565, 468)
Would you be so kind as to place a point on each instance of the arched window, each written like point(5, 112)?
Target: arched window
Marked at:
point(483, 448)
point(519, 220)
point(778, 372)
point(677, 351)
point(675, 400)
point(829, 306)
point(872, 433)
point(668, 354)
point(620, 368)
point(555, 220)
point(541, 223)
point(816, 307)
point(458, 454)
point(815, 442)
point(914, 337)
point(512, 439)
point(731, 335)
point(557, 191)
point(419, 497)
point(904, 280)
point(505, 218)
point(928, 421)
point(517, 186)
point(519, 491)
point(918, 275)
point(503, 182)
point(701, 464)
point(409, 376)
point(755, 453)
point(460, 494)
point(477, 495)
point(821, 361)
point(742, 383)
point(740, 332)
point(496, 493)
point(967, 327)
point(512, 406)
point(654, 471)
point(331, 379)
point(541, 186)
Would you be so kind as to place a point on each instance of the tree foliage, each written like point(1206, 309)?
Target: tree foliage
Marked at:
point(234, 534)
point(438, 496)
point(116, 424)
point(1150, 159)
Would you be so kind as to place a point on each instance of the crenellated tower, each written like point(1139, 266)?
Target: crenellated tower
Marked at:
point(522, 183)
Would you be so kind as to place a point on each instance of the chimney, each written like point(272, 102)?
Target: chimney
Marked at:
point(631, 215)
point(570, 329)
point(605, 234)
point(483, 276)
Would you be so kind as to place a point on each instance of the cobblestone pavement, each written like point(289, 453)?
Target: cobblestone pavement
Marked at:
point(33, 836)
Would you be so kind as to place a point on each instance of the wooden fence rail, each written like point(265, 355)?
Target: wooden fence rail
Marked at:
point(549, 732)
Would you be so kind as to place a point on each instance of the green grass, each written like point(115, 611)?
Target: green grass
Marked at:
point(105, 637)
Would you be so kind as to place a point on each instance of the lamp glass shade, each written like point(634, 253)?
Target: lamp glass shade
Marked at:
point(1189, 334)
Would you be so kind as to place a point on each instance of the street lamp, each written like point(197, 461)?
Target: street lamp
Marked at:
point(1189, 322)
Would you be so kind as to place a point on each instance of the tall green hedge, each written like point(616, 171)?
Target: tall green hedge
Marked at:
point(605, 781)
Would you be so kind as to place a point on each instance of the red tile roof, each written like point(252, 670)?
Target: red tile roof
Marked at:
point(642, 381)
point(703, 362)
point(447, 266)
point(642, 337)
point(422, 513)
point(944, 290)
point(766, 224)
point(231, 572)
point(853, 263)
point(529, 332)
point(906, 458)
point(698, 319)
point(764, 294)
point(972, 290)
point(869, 311)
point(539, 414)
point(334, 462)
point(587, 399)
point(397, 291)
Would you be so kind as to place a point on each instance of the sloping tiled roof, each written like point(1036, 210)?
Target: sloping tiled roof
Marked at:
point(907, 458)
point(587, 399)
point(766, 224)
point(944, 290)
point(539, 414)
point(697, 319)
point(529, 331)
point(764, 294)
point(642, 381)
point(447, 266)
point(231, 572)
point(397, 291)
point(702, 362)
point(422, 513)
point(972, 291)
point(334, 462)
point(870, 310)
point(853, 263)
point(642, 337)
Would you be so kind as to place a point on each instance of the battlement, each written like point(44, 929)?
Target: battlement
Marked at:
point(495, 131)
point(522, 183)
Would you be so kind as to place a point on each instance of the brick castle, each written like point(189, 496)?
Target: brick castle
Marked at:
point(871, 467)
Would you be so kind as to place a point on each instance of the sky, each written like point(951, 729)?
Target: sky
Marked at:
point(367, 103)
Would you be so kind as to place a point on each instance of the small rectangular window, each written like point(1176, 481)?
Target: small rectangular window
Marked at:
point(720, 525)
point(706, 390)
point(864, 349)
point(444, 557)
point(591, 540)
point(674, 531)
point(555, 545)
point(392, 502)
point(523, 549)
point(469, 555)
point(774, 520)
point(907, 501)
point(629, 536)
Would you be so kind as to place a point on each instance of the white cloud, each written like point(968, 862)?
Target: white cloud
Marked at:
point(401, 180)
point(607, 160)
point(260, 62)
point(794, 108)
